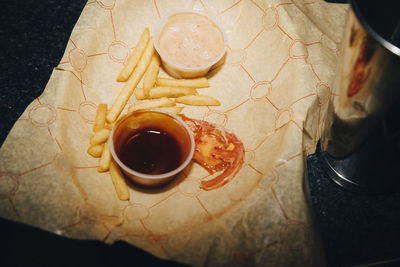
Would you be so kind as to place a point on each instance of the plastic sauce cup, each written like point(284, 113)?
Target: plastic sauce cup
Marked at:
point(151, 147)
point(180, 70)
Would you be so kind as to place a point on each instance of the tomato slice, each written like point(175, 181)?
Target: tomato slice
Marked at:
point(217, 151)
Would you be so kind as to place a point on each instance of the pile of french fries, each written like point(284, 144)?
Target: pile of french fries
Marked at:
point(99, 149)
point(156, 93)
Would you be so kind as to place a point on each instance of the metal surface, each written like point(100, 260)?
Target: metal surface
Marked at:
point(366, 88)
point(371, 168)
point(367, 85)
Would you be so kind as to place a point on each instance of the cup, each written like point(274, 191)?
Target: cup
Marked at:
point(188, 16)
point(357, 151)
point(367, 81)
point(151, 147)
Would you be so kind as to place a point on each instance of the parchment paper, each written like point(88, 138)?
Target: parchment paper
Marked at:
point(274, 88)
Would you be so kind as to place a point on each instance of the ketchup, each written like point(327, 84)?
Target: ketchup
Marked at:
point(217, 150)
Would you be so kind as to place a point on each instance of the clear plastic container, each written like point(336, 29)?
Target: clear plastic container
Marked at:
point(181, 70)
point(171, 125)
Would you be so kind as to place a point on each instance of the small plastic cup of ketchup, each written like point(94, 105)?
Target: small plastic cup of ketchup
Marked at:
point(151, 147)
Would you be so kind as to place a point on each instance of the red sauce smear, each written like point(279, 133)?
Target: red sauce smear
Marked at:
point(217, 151)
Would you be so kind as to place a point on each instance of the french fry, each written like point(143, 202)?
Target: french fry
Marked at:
point(130, 85)
point(158, 92)
point(155, 103)
point(118, 180)
point(194, 83)
point(100, 118)
point(109, 126)
point(139, 94)
point(151, 74)
point(198, 100)
point(96, 150)
point(100, 137)
point(174, 110)
point(134, 57)
point(105, 159)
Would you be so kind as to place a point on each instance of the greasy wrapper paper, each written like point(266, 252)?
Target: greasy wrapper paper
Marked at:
point(273, 87)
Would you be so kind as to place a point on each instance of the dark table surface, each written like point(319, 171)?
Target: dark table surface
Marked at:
point(356, 229)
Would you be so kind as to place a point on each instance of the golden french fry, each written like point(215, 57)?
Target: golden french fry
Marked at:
point(118, 180)
point(151, 74)
point(158, 92)
point(150, 104)
point(173, 92)
point(174, 110)
point(195, 83)
point(109, 126)
point(100, 119)
point(100, 137)
point(134, 57)
point(105, 159)
point(96, 150)
point(139, 94)
point(130, 85)
point(198, 100)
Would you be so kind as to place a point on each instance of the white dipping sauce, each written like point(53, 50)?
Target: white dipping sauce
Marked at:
point(190, 40)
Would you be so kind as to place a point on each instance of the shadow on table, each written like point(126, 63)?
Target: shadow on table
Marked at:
point(28, 246)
